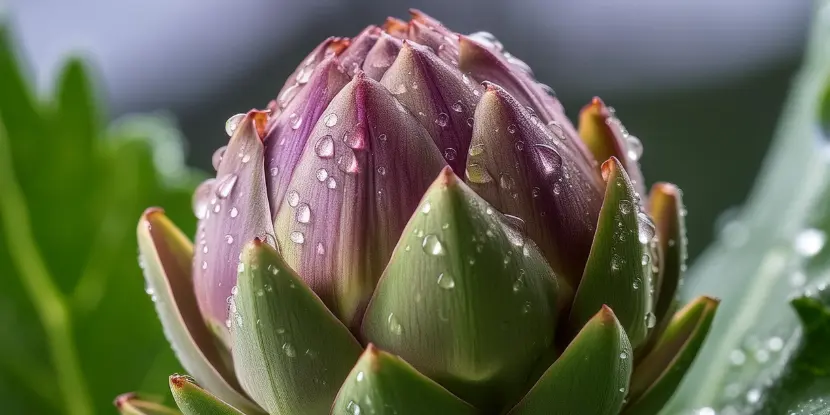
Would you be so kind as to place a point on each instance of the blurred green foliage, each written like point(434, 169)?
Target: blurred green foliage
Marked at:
point(76, 328)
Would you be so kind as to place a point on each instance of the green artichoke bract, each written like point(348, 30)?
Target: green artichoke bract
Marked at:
point(414, 226)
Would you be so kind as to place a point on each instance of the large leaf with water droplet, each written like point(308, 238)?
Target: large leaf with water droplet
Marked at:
point(290, 353)
point(525, 170)
point(167, 254)
point(132, 404)
point(233, 209)
point(381, 383)
point(771, 249)
point(351, 194)
point(615, 273)
point(72, 191)
point(442, 98)
point(656, 376)
point(590, 377)
point(466, 299)
point(193, 400)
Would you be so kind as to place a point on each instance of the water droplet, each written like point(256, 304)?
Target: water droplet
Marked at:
point(520, 145)
point(347, 163)
point(382, 137)
point(635, 284)
point(303, 213)
point(352, 408)
point(304, 75)
point(526, 307)
point(225, 185)
point(625, 207)
point(331, 183)
point(275, 171)
point(557, 188)
point(737, 357)
point(753, 396)
point(616, 262)
point(297, 237)
point(234, 212)
point(775, 344)
point(295, 121)
point(651, 319)
point(240, 268)
point(232, 123)
point(432, 245)
point(201, 198)
point(470, 121)
point(446, 281)
point(324, 147)
point(288, 95)
point(360, 376)
point(426, 207)
point(330, 120)
point(320, 249)
point(549, 158)
point(229, 239)
point(216, 159)
point(809, 242)
point(623, 355)
point(506, 181)
point(293, 198)
point(535, 192)
point(382, 170)
point(450, 153)
point(204, 264)
point(556, 128)
point(442, 119)
point(394, 326)
point(478, 174)
point(511, 128)
point(289, 350)
point(635, 147)
point(645, 259)
point(457, 106)
point(322, 175)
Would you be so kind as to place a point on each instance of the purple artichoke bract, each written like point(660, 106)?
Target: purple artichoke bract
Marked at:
point(413, 225)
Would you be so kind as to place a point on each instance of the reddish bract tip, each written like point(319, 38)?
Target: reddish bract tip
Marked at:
point(178, 381)
point(606, 314)
point(260, 120)
point(395, 27)
point(446, 177)
point(152, 211)
point(338, 45)
point(122, 399)
point(608, 167)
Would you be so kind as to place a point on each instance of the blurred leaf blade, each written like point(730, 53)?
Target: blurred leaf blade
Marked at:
point(769, 252)
point(82, 187)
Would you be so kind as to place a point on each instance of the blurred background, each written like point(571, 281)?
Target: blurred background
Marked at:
point(701, 83)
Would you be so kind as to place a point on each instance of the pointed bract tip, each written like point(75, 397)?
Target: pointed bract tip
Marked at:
point(393, 25)
point(338, 45)
point(606, 314)
point(666, 188)
point(152, 212)
point(259, 118)
point(609, 167)
point(122, 399)
point(178, 381)
point(446, 177)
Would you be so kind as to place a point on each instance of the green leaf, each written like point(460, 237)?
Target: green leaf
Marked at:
point(665, 205)
point(465, 299)
point(167, 254)
point(769, 251)
point(656, 377)
point(290, 352)
point(590, 377)
point(615, 273)
point(381, 383)
point(72, 190)
point(132, 404)
point(193, 400)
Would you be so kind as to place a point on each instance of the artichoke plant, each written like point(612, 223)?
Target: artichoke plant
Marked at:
point(414, 226)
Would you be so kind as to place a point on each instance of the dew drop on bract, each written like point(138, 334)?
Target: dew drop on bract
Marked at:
point(651, 319)
point(322, 175)
point(216, 159)
point(446, 281)
point(476, 173)
point(201, 198)
point(303, 213)
point(288, 95)
point(457, 106)
point(289, 350)
point(330, 120)
point(297, 237)
point(225, 185)
point(293, 198)
point(432, 245)
point(295, 120)
point(442, 119)
point(394, 325)
point(450, 153)
point(549, 158)
point(506, 181)
point(324, 147)
point(232, 123)
point(635, 147)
